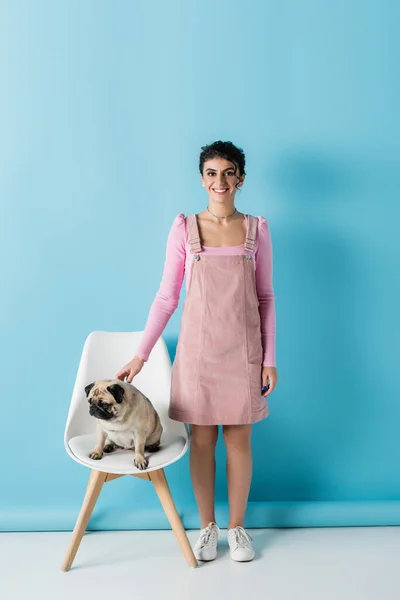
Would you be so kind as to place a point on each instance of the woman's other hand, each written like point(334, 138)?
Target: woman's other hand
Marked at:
point(269, 378)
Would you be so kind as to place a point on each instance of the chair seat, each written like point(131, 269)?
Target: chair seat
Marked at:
point(121, 461)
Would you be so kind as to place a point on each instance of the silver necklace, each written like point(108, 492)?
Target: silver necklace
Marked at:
point(217, 217)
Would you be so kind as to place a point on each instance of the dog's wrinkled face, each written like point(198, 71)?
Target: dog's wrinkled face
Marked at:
point(106, 401)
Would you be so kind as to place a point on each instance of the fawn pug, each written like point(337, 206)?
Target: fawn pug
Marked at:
point(126, 419)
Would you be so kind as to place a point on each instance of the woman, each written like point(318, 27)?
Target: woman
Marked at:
point(225, 360)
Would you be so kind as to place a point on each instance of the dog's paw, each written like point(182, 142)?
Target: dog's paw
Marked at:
point(109, 448)
point(95, 455)
point(140, 462)
point(153, 447)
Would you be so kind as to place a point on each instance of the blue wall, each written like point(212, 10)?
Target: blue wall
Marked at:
point(103, 110)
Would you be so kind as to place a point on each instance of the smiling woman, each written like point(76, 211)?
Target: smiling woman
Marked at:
point(222, 170)
point(225, 358)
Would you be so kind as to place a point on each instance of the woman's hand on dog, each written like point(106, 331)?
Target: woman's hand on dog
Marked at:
point(131, 369)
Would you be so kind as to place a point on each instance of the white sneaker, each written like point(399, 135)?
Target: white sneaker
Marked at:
point(206, 546)
point(240, 544)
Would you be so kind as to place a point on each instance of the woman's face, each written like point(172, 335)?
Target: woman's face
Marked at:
point(220, 180)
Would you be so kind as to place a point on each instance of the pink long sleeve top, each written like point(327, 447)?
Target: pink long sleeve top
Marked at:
point(178, 261)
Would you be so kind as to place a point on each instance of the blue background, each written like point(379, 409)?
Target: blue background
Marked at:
point(104, 107)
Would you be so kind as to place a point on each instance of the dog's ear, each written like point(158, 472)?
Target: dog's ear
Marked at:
point(88, 388)
point(117, 391)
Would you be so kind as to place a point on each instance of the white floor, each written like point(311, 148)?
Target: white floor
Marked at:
point(290, 564)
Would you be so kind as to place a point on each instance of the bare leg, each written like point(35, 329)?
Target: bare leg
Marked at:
point(203, 439)
point(238, 469)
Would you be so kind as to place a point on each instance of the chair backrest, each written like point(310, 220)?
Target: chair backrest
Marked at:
point(104, 354)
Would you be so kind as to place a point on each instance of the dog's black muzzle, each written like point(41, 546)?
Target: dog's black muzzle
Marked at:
point(99, 413)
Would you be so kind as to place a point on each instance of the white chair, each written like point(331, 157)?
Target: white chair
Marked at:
point(104, 353)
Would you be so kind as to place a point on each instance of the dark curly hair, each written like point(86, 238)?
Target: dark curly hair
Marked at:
point(225, 150)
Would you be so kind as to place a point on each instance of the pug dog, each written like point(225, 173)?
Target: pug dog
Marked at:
point(126, 419)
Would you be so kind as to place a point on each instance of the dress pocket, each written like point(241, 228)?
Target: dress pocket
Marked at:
point(184, 381)
point(258, 401)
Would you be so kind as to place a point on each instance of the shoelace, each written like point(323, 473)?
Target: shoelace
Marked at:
point(242, 538)
point(206, 534)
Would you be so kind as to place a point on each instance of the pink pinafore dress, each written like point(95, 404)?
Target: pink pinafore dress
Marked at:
point(216, 374)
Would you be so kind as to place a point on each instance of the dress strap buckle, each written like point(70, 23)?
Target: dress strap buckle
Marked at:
point(251, 233)
point(193, 234)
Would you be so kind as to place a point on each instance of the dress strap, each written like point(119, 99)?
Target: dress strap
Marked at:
point(193, 234)
point(251, 233)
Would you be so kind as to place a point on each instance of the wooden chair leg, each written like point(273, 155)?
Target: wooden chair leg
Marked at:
point(96, 480)
point(161, 486)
